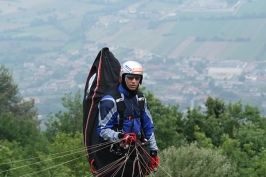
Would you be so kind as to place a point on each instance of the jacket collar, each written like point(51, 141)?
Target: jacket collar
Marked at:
point(121, 89)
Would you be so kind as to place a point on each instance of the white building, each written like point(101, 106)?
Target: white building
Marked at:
point(222, 73)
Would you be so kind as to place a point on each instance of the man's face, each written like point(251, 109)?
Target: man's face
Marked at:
point(132, 81)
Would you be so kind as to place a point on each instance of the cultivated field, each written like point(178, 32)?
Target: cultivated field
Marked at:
point(63, 25)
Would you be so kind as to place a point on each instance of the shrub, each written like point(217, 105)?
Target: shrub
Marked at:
point(192, 161)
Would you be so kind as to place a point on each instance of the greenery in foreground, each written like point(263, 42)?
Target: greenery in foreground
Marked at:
point(223, 140)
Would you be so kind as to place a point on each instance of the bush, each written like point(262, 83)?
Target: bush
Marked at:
point(192, 161)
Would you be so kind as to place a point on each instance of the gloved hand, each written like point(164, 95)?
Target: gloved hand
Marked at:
point(129, 138)
point(154, 161)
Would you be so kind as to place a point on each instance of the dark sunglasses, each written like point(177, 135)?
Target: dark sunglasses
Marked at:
point(131, 77)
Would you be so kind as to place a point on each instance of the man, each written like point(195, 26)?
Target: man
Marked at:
point(136, 124)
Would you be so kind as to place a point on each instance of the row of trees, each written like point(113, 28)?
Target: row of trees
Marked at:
point(223, 140)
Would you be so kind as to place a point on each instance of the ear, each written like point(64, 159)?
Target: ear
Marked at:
point(140, 82)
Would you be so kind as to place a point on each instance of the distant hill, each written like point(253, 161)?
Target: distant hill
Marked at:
point(41, 40)
point(214, 31)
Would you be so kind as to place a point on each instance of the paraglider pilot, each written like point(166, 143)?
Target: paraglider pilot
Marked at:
point(136, 123)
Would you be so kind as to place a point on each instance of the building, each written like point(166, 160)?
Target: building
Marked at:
point(222, 73)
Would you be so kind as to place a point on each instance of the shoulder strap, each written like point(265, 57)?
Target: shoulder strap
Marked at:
point(141, 101)
point(120, 109)
point(113, 91)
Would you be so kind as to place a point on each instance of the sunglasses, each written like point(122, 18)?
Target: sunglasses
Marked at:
point(131, 77)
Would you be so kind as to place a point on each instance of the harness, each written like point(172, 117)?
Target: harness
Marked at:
point(113, 91)
point(121, 108)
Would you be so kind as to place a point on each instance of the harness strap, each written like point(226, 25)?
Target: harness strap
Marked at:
point(121, 108)
point(141, 102)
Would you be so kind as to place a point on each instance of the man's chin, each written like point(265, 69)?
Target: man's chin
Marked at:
point(132, 88)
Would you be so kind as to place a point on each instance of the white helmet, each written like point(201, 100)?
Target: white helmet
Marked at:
point(131, 67)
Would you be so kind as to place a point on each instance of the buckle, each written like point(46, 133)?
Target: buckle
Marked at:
point(129, 118)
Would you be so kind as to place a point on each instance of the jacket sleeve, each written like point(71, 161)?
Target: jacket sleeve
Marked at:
point(148, 127)
point(107, 119)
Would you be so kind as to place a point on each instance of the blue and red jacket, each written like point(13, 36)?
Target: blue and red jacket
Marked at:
point(109, 118)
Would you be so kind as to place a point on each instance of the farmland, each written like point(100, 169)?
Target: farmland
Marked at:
point(47, 31)
point(59, 26)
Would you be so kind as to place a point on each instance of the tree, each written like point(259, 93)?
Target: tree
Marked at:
point(69, 121)
point(13, 152)
point(18, 118)
point(64, 157)
point(215, 107)
point(186, 127)
point(165, 118)
point(231, 148)
point(20, 129)
point(10, 99)
point(68, 156)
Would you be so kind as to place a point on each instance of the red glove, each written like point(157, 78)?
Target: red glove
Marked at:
point(129, 138)
point(154, 161)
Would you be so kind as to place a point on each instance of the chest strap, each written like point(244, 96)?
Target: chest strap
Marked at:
point(121, 108)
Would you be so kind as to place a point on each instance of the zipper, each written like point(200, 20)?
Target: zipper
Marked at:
point(132, 111)
point(132, 107)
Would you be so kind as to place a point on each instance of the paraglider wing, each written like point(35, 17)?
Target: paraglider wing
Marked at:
point(104, 72)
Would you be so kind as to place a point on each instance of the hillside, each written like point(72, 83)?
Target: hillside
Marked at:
point(215, 31)
point(47, 43)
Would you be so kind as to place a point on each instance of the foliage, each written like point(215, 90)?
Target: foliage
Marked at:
point(222, 140)
point(8, 90)
point(187, 124)
point(202, 140)
point(69, 122)
point(192, 161)
point(215, 107)
point(13, 161)
point(10, 99)
point(65, 157)
point(18, 118)
point(20, 129)
point(68, 155)
point(165, 118)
